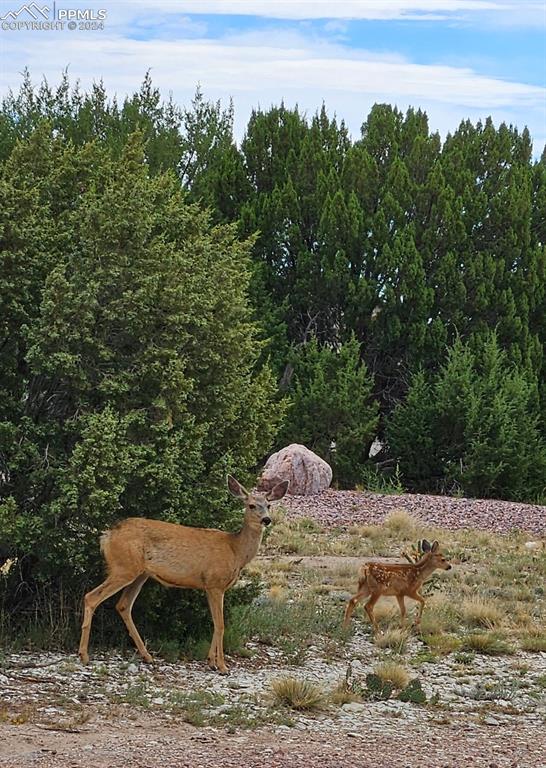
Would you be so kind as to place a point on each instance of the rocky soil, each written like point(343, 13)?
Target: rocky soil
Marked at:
point(359, 507)
point(120, 712)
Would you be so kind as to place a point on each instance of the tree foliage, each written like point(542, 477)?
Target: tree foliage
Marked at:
point(332, 411)
point(129, 382)
point(472, 427)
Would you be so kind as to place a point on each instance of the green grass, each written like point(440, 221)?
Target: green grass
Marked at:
point(487, 643)
point(289, 625)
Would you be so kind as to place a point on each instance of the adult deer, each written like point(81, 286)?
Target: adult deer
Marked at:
point(398, 580)
point(178, 556)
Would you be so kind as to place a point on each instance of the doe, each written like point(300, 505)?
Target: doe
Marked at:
point(178, 556)
point(398, 580)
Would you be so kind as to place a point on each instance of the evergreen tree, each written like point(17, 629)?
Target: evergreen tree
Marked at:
point(333, 411)
point(473, 428)
point(129, 381)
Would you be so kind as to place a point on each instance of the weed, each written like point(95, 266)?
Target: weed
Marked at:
point(442, 644)
point(297, 694)
point(464, 658)
point(396, 639)
point(391, 672)
point(487, 643)
point(375, 481)
point(534, 642)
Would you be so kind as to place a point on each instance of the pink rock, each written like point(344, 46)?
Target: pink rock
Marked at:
point(308, 473)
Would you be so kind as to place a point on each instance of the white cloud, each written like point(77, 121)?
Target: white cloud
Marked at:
point(512, 11)
point(262, 68)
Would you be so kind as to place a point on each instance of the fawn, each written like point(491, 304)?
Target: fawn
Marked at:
point(398, 580)
point(178, 556)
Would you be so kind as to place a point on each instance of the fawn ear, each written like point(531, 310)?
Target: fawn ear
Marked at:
point(435, 546)
point(236, 488)
point(278, 491)
point(425, 546)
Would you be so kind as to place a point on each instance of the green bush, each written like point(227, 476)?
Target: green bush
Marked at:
point(333, 412)
point(128, 384)
point(472, 428)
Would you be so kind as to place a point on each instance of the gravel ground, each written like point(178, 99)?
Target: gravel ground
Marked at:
point(349, 507)
point(111, 714)
point(393, 744)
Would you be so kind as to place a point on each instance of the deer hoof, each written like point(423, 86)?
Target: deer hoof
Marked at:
point(147, 659)
point(217, 667)
point(84, 658)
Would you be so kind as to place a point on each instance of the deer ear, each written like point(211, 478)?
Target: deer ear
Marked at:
point(435, 546)
point(236, 488)
point(425, 546)
point(278, 491)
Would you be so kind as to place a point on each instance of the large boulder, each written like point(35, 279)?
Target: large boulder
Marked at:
point(306, 472)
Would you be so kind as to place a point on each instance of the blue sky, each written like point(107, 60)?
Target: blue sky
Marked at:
point(456, 59)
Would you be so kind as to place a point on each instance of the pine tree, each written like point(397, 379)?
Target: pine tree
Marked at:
point(333, 411)
point(131, 384)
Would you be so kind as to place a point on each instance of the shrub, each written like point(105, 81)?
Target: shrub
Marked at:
point(297, 694)
point(391, 672)
point(116, 400)
point(332, 405)
point(473, 427)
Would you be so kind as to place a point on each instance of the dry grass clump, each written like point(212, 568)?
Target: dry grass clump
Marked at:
point(342, 694)
point(443, 644)
point(396, 639)
point(477, 612)
point(401, 524)
point(391, 672)
point(373, 532)
point(534, 640)
point(438, 621)
point(487, 643)
point(297, 694)
point(277, 592)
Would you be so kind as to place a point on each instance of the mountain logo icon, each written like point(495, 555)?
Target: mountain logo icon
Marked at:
point(36, 12)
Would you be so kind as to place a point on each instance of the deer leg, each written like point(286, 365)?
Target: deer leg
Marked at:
point(92, 600)
point(216, 653)
point(421, 600)
point(351, 605)
point(124, 607)
point(369, 609)
point(402, 606)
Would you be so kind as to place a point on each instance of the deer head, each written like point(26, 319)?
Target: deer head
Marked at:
point(433, 557)
point(257, 505)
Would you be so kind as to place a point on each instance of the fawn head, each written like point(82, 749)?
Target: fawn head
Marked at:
point(434, 556)
point(257, 505)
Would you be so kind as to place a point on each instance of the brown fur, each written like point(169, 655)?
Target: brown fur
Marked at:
point(178, 556)
point(398, 580)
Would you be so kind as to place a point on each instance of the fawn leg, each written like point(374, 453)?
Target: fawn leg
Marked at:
point(351, 605)
point(402, 606)
point(124, 607)
point(369, 609)
point(421, 600)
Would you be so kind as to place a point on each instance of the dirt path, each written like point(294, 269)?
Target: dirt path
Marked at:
point(146, 743)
